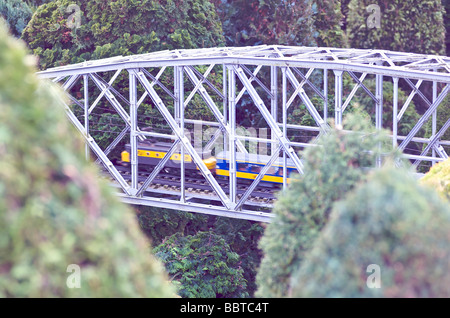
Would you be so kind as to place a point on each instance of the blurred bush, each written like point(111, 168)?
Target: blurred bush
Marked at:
point(54, 210)
point(439, 178)
point(333, 169)
point(392, 222)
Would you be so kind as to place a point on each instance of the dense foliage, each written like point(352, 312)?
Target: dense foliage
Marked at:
point(202, 265)
point(54, 211)
point(331, 171)
point(439, 178)
point(406, 26)
point(446, 4)
point(255, 22)
point(390, 223)
point(121, 27)
point(17, 13)
point(308, 23)
point(158, 224)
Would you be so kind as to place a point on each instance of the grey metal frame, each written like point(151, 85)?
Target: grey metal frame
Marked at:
point(236, 63)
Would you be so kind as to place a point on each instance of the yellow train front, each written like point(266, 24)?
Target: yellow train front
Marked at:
point(248, 167)
point(150, 154)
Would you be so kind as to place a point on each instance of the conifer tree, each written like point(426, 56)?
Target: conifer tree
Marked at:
point(407, 26)
point(334, 168)
point(63, 233)
point(389, 238)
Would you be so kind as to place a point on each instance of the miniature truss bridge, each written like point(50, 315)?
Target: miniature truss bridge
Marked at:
point(198, 100)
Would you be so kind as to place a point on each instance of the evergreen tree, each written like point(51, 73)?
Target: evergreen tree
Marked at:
point(331, 170)
point(17, 13)
point(105, 29)
point(255, 22)
point(203, 266)
point(56, 215)
point(328, 20)
point(406, 26)
point(389, 238)
point(446, 4)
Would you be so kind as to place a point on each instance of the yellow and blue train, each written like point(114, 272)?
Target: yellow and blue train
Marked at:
point(248, 166)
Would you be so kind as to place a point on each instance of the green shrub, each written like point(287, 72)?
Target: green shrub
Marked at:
point(331, 171)
point(54, 209)
point(202, 266)
point(439, 178)
point(391, 222)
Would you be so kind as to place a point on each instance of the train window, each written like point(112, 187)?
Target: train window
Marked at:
point(242, 167)
point(157, 154)
point(272, 170)
point(289, 171)
point(255, 169)
point(148, 153)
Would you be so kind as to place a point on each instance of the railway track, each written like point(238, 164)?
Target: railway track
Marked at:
point(198, 187)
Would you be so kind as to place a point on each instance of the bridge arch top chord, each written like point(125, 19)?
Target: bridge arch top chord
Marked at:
point(291, 70)
point(382, 62)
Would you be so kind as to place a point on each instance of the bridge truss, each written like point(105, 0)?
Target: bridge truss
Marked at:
point(273, 83)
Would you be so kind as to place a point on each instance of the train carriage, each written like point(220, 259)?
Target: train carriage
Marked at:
point(248, 167)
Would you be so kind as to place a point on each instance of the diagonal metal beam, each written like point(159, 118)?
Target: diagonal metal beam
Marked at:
point(255, 72)
point(97, 150)
point(197, 87)
point(309, 105)
point(102, 93)
point(70, 82)
point(158, 168)
point(418, 92)
point(115, 142)
point(424, 117)
point(305, 79)
point(434, 140)
point(258, 178)
point(184, 140)
point(284, 142)
point(115, 103)
point(204, 79)
point(408, 101)
point(215, 110)
point(253, 77)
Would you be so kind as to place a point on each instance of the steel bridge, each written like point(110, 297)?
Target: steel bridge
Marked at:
point(272, 82)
